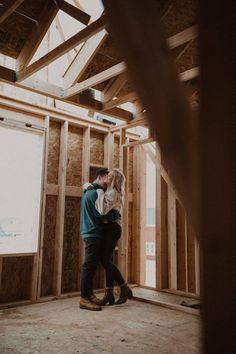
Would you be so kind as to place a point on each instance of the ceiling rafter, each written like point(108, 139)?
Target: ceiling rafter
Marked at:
point(96, 79)
point(74, 12)
point(37, 34)
point(83, 58)
point(174, 41)
point(63, 48)
point(115, 87)
point(7, 9)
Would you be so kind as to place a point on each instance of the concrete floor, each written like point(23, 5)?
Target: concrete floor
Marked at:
point(60, 327)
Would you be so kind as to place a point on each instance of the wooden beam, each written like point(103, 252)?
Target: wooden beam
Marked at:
point(129, 97)
point(47, 15)
point(189, 74)
point(114, 89)
point(119, 113)
point(7, 74)
point(96, 79)
point(183, 37)
point(60, 210)
point(83, 58)
point(63, 48)
point(132, 124)
point(74, 12)
point(7, 9)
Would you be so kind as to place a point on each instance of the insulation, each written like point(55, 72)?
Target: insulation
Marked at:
point(53, 152)
point(74, 156)
point(71, 241)
point(96, 148)
point(49, 246)
point(16, 278)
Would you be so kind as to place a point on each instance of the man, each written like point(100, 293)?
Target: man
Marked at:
point(91, 230)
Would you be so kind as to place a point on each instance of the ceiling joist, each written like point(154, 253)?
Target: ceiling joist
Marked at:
point(130, 97)
point(7, 9)
point(63, 48)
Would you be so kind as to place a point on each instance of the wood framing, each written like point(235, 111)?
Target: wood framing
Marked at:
point(74, 12)
point(96, 79)
point(60, 209)
point(7, 9)
point(115, 87)
point(63, 48)
point(83, 58)
point(38, 32)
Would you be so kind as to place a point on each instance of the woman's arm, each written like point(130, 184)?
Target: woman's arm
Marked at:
point(105, 201)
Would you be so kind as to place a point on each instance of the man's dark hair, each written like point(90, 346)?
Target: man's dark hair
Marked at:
point(101, 172)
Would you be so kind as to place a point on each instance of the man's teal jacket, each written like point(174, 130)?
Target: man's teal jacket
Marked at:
point(91, 222)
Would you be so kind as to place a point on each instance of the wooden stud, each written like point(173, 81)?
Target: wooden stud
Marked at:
point(1, 265)
point(142, 210)
point(181, 248)
point(191, 259)
point(172, 260)
point(39, 275)
point(86, 156)
point(60, 210)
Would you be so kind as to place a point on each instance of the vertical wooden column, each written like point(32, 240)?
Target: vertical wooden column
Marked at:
point(135, 261)
point(172, 260)
point(191, 273)
point(109, 150)
point(37, 258)
point(142, 206)
point(46, 124)
point(85, 178)
point(60, 209)
point(161, 226)
point(181, 247)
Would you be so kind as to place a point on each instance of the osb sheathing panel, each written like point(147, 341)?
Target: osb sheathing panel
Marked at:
point(189, 59)
point(181, 16)
point(131, 166)
point(71, 240)
point(16, 29)
point(74, 156)
point(49, 246)
point(53, 152)
point(96, 148)
point(116, 152)
point(99, 279)
point(16, 279)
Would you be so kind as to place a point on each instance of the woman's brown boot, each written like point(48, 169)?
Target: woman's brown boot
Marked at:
point(108, 298)
point(125, 293)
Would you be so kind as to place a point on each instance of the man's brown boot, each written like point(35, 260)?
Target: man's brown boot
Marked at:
point(87, 304)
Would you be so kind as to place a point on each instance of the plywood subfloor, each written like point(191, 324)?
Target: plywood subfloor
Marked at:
point(61, 327)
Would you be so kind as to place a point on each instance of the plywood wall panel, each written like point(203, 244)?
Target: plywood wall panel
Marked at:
point(116, 152)
point(53, 152)
point(16, 279)
point(97, 148)
point(49, 246)
point(71, 241)
point(74, 156)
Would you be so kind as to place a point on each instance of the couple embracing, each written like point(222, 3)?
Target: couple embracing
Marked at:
point(100, 228)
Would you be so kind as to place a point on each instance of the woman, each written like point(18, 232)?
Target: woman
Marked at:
point(113, 198)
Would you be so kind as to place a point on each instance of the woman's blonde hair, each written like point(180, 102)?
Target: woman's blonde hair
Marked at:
point(118, 184)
